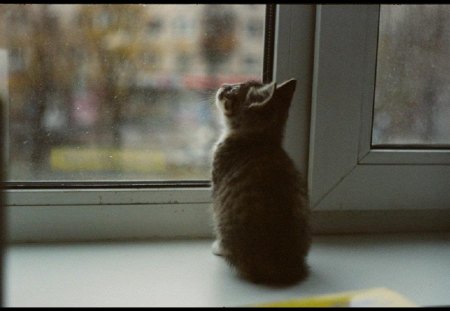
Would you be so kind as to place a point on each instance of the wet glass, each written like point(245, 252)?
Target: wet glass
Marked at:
point(120, 92)
point(412, 94)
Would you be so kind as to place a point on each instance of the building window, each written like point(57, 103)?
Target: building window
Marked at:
point(254, 28)
point(16, 60)
point(251, 62)
point(183, 26)
point(154, 27)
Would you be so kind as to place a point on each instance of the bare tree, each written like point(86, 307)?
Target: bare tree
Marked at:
point(110, 37)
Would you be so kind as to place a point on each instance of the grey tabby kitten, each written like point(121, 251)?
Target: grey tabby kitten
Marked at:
point(260, 204)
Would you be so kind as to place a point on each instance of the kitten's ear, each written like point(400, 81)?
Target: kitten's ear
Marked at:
point(260, 95)
point(286, 90)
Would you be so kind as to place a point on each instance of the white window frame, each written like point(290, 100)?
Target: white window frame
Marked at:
point(333, 62)
point(356, 188)
point(345, 172)
point(140, 213)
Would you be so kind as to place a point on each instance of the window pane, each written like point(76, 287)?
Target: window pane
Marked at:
point(412, 96)
point(121, 92)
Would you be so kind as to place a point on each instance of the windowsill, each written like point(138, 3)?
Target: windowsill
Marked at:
point(185, 273)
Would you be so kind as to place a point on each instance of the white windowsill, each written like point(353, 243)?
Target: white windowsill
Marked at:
point(185, 273)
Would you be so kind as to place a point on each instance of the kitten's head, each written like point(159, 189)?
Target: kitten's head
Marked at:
point(254, 107)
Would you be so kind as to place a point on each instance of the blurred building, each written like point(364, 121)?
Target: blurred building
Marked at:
point(166, 40)
point(122, 76)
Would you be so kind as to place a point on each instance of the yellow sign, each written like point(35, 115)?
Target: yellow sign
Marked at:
point(71, 159)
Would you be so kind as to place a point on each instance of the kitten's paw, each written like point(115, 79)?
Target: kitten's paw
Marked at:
point(217, 248)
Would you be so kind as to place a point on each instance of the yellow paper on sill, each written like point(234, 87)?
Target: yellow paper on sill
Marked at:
point(376, 297)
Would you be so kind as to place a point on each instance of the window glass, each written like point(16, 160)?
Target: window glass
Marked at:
point(110, 92)
point(412, 97)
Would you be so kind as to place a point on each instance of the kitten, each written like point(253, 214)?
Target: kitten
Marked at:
point(260, 203)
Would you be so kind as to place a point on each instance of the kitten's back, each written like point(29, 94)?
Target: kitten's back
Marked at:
point(263, 212)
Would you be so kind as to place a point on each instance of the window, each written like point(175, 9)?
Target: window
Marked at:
point(154, 26)
point(413, 72)
point(184, 27)
point(347, 172)
point(254, 29)
point(356, 183)
point(17, 59)
point(112, 123)
point(103, 20)
point(250, 62)
point(126, 110)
